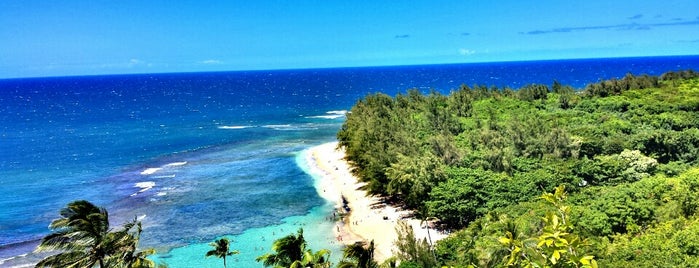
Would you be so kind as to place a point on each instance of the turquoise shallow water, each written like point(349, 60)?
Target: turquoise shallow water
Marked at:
point(257, 241)
point(203, 155)
point(317, 226)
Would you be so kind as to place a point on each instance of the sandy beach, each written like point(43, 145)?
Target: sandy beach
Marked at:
point(369, 217)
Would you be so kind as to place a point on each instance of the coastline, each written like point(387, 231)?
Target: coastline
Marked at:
point(369, 218)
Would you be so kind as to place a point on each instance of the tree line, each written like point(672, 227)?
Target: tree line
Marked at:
point(478, 158)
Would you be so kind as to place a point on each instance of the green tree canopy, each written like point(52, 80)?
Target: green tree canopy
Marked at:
point(82, 237)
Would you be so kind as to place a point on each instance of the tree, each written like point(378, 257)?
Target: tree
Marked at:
point(130, 257)
point(359, 255)
point(83, 238)
point(221, 249)
point(291, 251)
point(318, 259)
point(411, 249)
point(412, 178)
point(80, 234)
point(556, 246)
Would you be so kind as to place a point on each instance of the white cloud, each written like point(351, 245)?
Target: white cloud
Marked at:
point(466, 52)
point(211, 62)
point(134, 62)
point(137, 62)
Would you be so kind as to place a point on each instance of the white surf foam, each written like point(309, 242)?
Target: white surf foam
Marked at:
point(342, 112)
point(176, 164)
point(277, 126)
point(234, 127)
point(164, 176)
point(281, 127)
point(293, 127)
point(330, 115)
point(145, 185)
point(150, 171)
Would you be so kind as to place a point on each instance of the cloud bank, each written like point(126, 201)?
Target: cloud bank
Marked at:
point(623, 27)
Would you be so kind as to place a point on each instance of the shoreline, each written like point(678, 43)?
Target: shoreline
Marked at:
point(370, 218)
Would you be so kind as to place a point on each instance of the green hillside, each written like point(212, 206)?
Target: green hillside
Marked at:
point(625, 150)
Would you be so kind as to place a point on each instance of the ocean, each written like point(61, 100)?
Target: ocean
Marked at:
point(197, 156)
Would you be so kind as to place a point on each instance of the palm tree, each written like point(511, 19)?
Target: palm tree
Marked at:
point(358, 255)
point(80, 235)
point(127, 245)
point(424, 217)
point(221, 249)
point(288, 249)
point(410, 249)
point(83, 239)
point(319, 259)
point(291, 252)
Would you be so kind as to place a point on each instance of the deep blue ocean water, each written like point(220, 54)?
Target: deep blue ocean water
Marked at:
point(201, 155)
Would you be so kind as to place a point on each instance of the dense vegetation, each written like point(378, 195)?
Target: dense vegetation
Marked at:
point(626, 151)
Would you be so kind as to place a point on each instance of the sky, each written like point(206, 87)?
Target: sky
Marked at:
point(94, 37)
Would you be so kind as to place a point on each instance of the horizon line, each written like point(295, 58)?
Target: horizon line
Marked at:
point(338, 67)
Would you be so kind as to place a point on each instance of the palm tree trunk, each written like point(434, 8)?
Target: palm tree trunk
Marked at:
point(430, 239)
point(224, 261)
point(428, 235)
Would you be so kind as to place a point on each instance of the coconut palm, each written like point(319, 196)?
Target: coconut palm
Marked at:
point(127, 245)
point(318, 259)
point(82, 238)
point(221, 249)
point(291, 252)
point(359, 255)
point(288, 249)
point(80, 235)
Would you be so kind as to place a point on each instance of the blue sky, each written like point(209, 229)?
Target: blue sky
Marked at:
point(88, 37)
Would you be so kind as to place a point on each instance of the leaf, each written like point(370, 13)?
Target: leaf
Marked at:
point(555, 221)
point(586, 260)
point(504, 240)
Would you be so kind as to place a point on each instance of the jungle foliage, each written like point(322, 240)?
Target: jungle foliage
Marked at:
point(626, 150)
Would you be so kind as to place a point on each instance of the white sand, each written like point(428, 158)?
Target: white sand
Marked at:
point(366, 220)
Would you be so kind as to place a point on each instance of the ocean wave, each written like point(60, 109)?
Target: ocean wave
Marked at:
point(164, 176)
point(150, 171)
point(144, 185)
point(176, 164)
point(277, 126)
point(234, 127)
point(342, 112)
point(2, 261)
point(292, 127)
point(331, 115)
